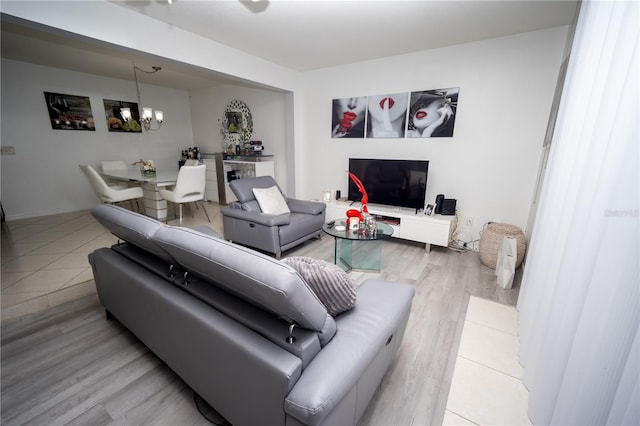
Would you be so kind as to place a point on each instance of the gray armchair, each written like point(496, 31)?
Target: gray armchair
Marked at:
point(245, 223)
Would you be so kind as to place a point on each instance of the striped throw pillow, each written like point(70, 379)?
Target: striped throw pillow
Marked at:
point(331, 284)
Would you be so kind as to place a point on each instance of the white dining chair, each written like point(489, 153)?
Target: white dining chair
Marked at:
point(112, 166)
point(189, 188)
point(109, 194)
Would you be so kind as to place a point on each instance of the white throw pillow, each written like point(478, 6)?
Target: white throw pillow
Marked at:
point(271, 200)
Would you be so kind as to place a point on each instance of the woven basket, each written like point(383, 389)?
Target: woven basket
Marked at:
point(491, 239)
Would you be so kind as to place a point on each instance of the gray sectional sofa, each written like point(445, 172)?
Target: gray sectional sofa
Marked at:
point(244, 330)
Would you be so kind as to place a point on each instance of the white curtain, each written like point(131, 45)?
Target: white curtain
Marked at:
point(579, 305)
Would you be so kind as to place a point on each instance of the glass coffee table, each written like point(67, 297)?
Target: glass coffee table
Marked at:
point(355, 250)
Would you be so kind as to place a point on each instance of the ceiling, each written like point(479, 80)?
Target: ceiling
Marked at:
point(301, 35)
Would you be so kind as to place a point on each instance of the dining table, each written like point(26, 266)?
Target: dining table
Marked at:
point(154, 205)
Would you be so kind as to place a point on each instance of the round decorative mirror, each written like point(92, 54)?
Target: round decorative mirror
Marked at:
point(237, 121)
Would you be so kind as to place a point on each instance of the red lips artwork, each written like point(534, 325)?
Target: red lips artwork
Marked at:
point(421, 114)
point(385, 100)
point(347, 121)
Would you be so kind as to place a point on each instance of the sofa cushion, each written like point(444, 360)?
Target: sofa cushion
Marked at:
point(329, 282)
point(300, 226)
point(243, 188)
point(271, 200)
point(254, 277)
point(305, 206)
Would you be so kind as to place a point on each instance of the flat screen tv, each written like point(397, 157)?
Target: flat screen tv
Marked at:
point(400, 183)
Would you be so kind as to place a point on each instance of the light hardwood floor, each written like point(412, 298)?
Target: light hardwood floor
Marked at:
point(69, 365)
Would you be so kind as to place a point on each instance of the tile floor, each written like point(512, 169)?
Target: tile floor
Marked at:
point(486, 388)
point(44, 259)
point(44, 263)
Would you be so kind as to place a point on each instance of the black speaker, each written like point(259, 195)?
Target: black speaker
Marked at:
point(448, 207)
point(439, 200)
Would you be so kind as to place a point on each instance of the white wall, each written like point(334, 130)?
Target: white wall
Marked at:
point(43, 177)
point(268, 112)
point(490, 165)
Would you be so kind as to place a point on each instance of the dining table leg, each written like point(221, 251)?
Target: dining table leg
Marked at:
point(154, 205)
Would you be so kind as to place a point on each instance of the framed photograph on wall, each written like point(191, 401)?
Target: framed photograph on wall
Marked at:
point(432, 113)
point(115, 121)
point(69, 112)
point(387, 115)
point(349, 117)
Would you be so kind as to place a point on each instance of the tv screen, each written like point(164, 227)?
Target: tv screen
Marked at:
point(400, 183)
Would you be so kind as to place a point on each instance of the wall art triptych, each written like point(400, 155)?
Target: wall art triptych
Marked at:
point(423, 114)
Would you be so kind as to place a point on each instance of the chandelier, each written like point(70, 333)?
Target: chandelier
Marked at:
point(147, 113)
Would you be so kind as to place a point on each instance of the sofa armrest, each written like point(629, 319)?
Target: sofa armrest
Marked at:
point(357, 357)
point(304, 206)
point(261, 218)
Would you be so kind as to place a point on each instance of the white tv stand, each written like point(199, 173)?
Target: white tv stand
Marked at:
point(406, 224)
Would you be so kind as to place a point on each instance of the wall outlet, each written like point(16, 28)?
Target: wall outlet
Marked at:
point(7, 150)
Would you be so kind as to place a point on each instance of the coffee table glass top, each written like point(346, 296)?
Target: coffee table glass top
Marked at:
point(354, 250)
point(341, 230)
